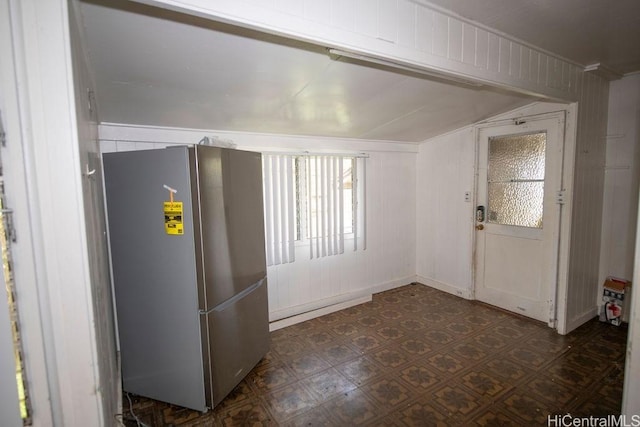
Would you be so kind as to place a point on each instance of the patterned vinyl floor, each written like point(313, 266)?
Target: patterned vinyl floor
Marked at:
point(415, 356)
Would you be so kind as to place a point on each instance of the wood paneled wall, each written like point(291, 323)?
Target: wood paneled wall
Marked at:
point(445, 172)
point(444, 219)
point(409, 31)
point(99, 287)
point(622, 174)
point(588, 188)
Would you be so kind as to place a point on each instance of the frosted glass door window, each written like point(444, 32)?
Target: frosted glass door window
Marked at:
point(515, 179)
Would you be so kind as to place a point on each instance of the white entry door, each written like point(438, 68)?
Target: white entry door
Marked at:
point(519, 174)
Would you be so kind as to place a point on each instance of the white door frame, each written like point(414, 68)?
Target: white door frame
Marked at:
point(9, 401)
point(43, 175)
point(20, 199)
point(544, 111)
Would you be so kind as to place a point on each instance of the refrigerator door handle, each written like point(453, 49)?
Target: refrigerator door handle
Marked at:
point(236, 297)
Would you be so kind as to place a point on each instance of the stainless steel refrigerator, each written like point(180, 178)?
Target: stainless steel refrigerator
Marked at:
point(186, 235)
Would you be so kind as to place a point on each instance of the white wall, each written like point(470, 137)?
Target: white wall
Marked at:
point(631, 392)
point(44, 186)
point(93, 200)
point(444, 220)
point(45, 173)
point(588, 185)
point(306, 285)
point(622, 173)
point(420, 34)
point(387, 262)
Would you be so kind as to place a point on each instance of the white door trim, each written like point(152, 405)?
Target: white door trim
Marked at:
point(9, 401)
point(43, 187)
point(27, 272)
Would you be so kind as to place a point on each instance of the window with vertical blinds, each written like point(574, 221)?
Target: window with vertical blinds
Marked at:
point(313, 199)
point(280, 202)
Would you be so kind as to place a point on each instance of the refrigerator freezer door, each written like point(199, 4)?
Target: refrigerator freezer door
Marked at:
point(155, 276)
point(232, 218)
point(238, 338)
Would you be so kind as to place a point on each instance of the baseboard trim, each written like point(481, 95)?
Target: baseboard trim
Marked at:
point(299, 318)
point(300, 313)
point(578, 321)
point(444, 287)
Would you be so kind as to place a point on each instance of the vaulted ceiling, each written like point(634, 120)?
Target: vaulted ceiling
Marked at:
point(155, 67)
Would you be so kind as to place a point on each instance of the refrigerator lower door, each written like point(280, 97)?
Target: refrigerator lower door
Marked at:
point(238, 338)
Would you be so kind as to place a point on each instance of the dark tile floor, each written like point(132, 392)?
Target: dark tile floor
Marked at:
point(415, 356)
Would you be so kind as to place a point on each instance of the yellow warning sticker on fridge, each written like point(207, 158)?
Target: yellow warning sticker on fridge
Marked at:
point(173, 218)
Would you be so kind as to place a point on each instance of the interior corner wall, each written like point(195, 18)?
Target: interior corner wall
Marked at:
point(621, 180)
point(307, 285)
point(587, 201)
point(631, 392)
point(444, 220)
point(387, 262)
point(445, 172)
point(92, 191)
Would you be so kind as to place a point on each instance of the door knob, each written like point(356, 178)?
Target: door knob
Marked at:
point(480, 227)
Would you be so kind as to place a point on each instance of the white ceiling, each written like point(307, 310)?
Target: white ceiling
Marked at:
point(160, 68)
point(584, 31)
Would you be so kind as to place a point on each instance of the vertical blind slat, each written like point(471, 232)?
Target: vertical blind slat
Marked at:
point(268, 211)
point(291, 209)
point(341, 205)
point(329, 196)
point(322, 211)
point(316, 222)
point(364, 205)
point(336, 191)
point(323, 204)
point(279, 205)
point(354, 192)
point(284, 227)
point(275, 188)
point(311, 185)
point(336, 204)
point(327, 207)
point(318, 168)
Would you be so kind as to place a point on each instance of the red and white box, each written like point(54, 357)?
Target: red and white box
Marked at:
point(613, 300)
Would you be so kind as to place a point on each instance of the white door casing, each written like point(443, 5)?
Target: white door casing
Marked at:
point(9, 401)
point(516, 266)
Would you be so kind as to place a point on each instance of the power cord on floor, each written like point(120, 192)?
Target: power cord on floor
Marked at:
point(135, 417)
point(120, 417)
